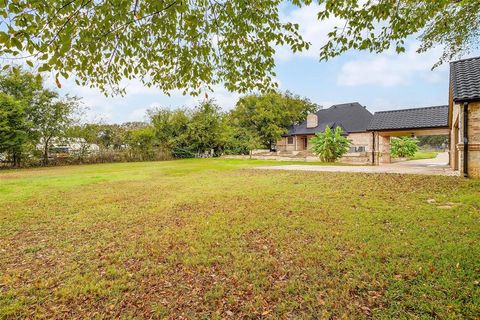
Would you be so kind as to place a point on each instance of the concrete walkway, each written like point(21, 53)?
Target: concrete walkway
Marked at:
point(436, 166)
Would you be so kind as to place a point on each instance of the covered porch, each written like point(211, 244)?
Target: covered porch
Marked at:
point(381, 141)
point(294, 143)
point(416, 122)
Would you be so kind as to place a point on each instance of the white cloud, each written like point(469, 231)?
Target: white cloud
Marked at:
point(137, 100)
point(391, 69)
point(139, 114)
point(224, 98)
point(101, 108)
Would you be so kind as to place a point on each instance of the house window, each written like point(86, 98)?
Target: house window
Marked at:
point(290, 140)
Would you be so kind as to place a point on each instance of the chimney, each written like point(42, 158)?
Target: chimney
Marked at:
point(312, 120)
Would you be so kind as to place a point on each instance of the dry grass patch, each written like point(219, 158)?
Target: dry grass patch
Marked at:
point(212, 239)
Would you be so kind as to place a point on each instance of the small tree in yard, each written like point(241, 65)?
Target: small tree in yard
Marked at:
point(52, 116)
point(330, 145)
point(143, 142)
point(403, 147)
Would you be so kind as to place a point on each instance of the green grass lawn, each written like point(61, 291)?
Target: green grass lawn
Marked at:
point(213, 239)
point(419, 155)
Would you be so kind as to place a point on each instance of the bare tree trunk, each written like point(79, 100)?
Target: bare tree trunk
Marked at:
point(45, 151)
point(16, 159)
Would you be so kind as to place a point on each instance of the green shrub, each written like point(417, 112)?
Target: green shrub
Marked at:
point(403, 147)
point(330, 145)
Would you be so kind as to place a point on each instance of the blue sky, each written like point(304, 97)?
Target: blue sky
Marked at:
point(378, 81)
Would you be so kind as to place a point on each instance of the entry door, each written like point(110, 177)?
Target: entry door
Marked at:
point(305, 143)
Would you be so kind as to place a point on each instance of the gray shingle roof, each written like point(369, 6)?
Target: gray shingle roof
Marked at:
point(429, 117)
point(351, 117)
point(465, 79)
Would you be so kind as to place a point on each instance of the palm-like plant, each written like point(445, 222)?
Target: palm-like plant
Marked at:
point(330, 145)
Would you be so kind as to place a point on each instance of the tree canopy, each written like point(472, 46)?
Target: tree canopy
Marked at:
point(192, 45)
point(378, 25)
point(269, 115)
point(171, 44)
point(14, 127)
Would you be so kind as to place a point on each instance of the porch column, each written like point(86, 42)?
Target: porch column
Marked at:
point(384, 143)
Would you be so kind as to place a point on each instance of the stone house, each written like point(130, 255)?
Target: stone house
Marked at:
point(464, 116)
point(370, 134)
point(353, 118)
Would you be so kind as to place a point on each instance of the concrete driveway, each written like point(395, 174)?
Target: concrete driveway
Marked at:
point(440, 161)
point(436, 166)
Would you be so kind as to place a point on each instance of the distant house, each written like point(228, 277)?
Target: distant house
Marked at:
point(354, 120)
point(70, 146)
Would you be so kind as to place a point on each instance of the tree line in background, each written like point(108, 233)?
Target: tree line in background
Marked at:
point(39, 127)
point(31, 117)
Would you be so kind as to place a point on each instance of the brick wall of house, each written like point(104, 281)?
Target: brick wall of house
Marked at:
point(455, 135)
point(363, 139)
point(283, 145)
point(473, 138)
point(360, 139)
point(312, 120)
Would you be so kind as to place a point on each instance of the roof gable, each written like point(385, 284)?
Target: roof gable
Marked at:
point(351, 117)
